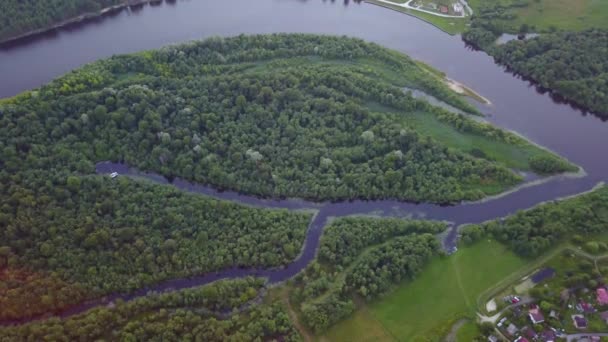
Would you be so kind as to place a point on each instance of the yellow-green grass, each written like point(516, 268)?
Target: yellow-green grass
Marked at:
point(449, 25)
point(360, 326)
point(446, 289)
point(510, 155)
point(565, 14)
point(571, 15)
point(467, 332)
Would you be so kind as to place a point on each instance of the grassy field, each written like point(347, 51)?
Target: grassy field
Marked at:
point(424, 309)
point(572, 15)
point(539, 15)
point(467, 332)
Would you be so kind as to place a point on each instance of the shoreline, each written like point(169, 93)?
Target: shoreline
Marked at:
point(406, 12)
point(78, 19)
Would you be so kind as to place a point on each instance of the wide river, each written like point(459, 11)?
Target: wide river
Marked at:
point(516, 105)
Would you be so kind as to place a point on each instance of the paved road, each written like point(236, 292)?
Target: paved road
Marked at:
point(492, 319)
point(575, 337)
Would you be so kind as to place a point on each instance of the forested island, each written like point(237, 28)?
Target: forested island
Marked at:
point(19, 18)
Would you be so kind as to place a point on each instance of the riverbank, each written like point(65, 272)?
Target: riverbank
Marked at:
point(451, 26)
point(78, 19)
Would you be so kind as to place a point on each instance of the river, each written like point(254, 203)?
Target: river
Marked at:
point(516, 104)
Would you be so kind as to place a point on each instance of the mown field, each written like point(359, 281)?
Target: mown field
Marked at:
point(424, 309)
point(555, 14)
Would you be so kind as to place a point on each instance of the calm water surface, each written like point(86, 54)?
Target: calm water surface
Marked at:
point(516, 104)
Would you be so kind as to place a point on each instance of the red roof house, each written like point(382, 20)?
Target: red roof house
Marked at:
point(602, 296)
point(535, 315)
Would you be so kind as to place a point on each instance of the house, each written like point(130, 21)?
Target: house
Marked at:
point(585, 307)
point(602, 296)
point(580, 322)
point(604, 316)
point(521, 339)
point(492, 338)
point(529, 333)
point(443, 9)
point(548, 336)
point(501, 322)
point(512, 329)
point(535, 315)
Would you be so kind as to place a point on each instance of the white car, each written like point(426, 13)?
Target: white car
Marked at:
point(113, 175)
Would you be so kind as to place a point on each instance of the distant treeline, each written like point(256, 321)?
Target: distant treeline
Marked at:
point(572, 64)
point(532, 232)
point(18, 17)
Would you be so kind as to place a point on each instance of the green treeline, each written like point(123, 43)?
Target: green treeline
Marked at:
point(399, 259)
point(118, 235)
point(532, 232)
point(573, 64)
point(344, 239)
point(18, 17)
point(186, 315)
point(384, 252)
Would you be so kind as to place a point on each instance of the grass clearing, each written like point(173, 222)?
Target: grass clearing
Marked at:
point(547, 15)
point(360, 326)
point(564, 14)
point(425, 308)
point(514, 156)
point(467, 332)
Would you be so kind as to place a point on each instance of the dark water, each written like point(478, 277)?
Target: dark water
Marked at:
point(516, 104)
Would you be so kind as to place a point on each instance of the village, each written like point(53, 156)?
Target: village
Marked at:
point(565, 300)
point(441, 8)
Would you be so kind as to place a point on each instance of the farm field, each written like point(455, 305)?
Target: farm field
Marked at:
point(425, 308)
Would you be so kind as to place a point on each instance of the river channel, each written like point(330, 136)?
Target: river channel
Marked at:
point(516, 104)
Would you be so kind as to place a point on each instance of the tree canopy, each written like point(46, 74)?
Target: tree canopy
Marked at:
point(18, 17)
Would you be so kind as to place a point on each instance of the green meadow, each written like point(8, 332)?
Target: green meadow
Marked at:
point(570, 15)
point(425, 308)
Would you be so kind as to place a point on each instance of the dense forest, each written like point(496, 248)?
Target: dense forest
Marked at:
point(18, 17)
point(532, 232)
point(216, 312)
point(384, 252)
point(281, 115)
point(107, 236)
point(344, 239)
point(570, 63)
